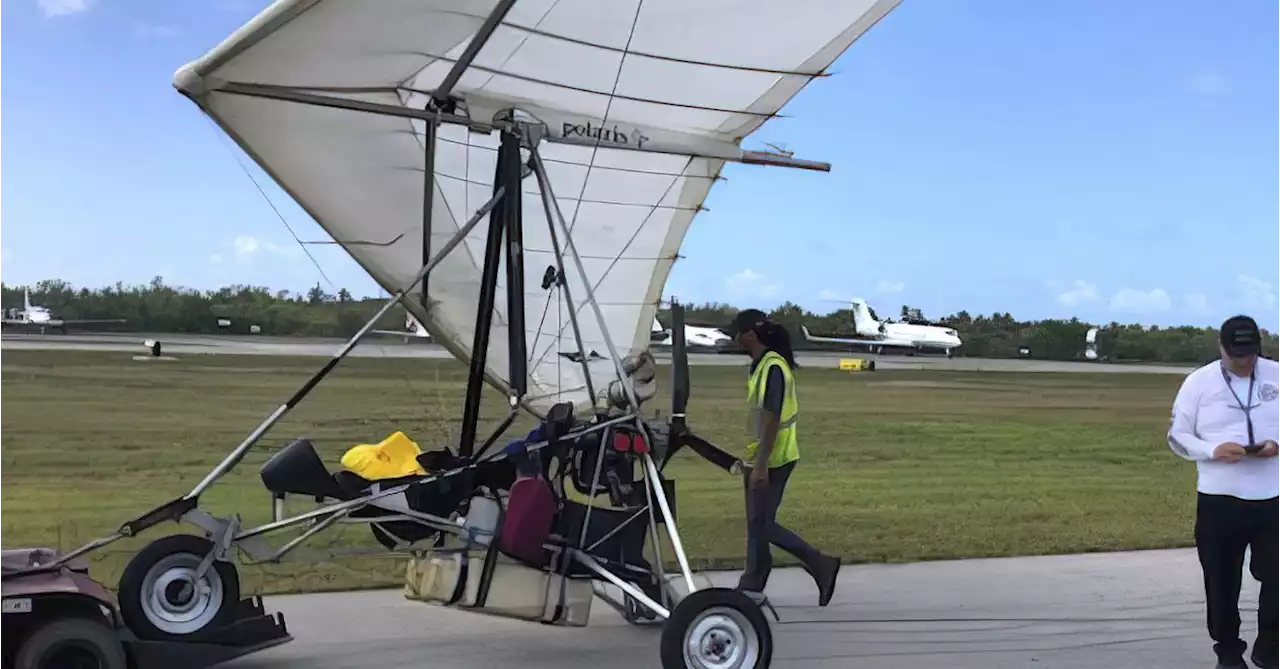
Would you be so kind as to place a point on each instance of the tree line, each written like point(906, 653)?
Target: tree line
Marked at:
point(157, 307)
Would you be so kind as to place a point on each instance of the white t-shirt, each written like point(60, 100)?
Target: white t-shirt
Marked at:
point(1206, 414)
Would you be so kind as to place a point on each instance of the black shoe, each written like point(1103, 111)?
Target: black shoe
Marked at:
point(825, 575)
point(1263, 659)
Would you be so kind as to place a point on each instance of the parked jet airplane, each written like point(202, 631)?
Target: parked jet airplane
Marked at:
point(876, 334)
point(412, 329)
point(31, 314)
point(694, 336)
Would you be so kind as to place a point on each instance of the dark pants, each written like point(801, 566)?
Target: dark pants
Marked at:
point(1224, 527)
point(763, 529)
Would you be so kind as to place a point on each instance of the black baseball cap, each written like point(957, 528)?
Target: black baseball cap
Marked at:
point(1240, 337)
point(745, 320)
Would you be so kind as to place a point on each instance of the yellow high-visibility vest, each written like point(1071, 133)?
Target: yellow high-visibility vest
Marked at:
point(785, 447)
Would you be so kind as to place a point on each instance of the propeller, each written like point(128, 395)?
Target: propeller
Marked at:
point(679, 432)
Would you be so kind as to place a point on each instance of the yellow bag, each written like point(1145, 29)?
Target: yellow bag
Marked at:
point(396, 456)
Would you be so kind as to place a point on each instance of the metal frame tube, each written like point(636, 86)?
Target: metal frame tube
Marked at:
point(590, 563)
point(536, 159)
point(491, 22)
point(676, 545)
point(428, 198)
point(300, 96)
point(236, 455)
point(651, 469)
point(552, 210)
point(501, 225)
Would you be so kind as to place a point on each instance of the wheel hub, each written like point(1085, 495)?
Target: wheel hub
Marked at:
point(174, 601)
point(721, 638)
point(73, 655)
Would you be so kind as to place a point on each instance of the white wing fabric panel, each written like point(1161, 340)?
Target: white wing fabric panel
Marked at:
point(361, 175)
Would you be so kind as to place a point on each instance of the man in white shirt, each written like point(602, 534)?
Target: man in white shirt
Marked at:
point(1225, 419)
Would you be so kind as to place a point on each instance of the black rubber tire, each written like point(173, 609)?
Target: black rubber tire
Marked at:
point(132, 582)
point(39, 650)
point(687, 612)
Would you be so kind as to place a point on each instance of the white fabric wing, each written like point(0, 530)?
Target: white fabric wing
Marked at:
point(682, 80)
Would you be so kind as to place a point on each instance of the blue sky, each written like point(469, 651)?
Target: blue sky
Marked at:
point(1100, 159)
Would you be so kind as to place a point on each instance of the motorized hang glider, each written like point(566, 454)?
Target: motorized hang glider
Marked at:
point(520, 175)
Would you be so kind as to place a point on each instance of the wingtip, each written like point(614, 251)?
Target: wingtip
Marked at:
point(188, 81)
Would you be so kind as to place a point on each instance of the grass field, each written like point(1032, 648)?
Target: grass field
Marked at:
point(897, 465)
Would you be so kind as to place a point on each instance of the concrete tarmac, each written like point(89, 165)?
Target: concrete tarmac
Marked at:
point(395, 347)
point(1139, 609)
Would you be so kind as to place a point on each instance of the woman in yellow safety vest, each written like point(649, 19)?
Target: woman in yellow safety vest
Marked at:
point(772, 453)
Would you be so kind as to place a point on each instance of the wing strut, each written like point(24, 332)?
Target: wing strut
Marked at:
point(441, 95)
point(235, 456)
point(428, 199)
point(552, 211)
point(505, 223)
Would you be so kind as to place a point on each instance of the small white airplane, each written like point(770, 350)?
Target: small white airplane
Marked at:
point(412, 329)
point(1091, 344)
point(31, 314)
point(880, 334)
point(699, 337)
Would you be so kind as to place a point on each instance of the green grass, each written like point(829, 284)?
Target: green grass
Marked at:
point(897, 465)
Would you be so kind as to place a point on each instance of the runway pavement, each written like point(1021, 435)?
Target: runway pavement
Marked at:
point(1140, 609)
point(394, 347)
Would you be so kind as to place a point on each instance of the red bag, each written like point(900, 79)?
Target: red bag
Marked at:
point(531, 510)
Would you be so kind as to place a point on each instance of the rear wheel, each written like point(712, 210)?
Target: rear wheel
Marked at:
point(160, 598)
point(71, 643)
point(717, 628)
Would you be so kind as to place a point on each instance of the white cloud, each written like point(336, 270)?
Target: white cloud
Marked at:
point(1078, 293)
point(887, 287)
point(1197, 303)
point(53, 8)
point(748, 283)
point(247, 247)
point(1207, 81)
point(829, 294)
point(1141, 301)
point(1256, 293)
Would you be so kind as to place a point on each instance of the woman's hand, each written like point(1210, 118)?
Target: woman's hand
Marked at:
point(759, 477)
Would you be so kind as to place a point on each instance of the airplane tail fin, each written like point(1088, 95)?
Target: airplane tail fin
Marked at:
point(26, 299)
point(863, 322)
point(805, 331)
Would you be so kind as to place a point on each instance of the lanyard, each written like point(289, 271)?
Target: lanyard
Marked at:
point(1243, 407)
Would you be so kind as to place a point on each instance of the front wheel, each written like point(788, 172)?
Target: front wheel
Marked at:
point(717, 628)
point(71, 643)
point(160, 599)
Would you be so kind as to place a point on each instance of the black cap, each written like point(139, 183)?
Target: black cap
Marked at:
point(746, 320)
point(1240, 337)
